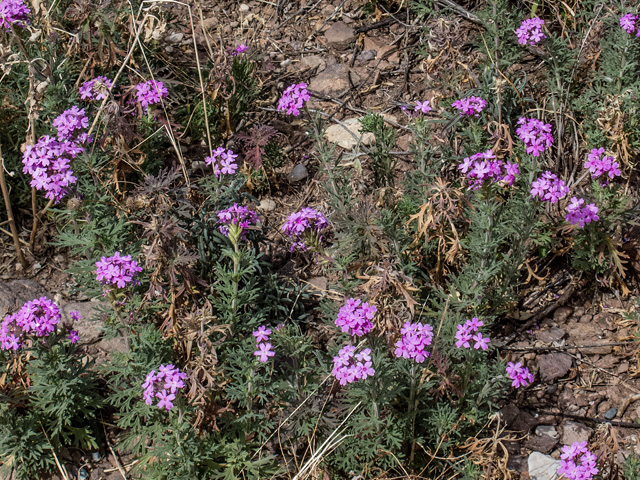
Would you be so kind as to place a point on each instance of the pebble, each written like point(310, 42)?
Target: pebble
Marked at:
point(267, 205)
point(543, 467)
point(243, 7)
point(611, 413)
point(548, 430)
point(298, 173)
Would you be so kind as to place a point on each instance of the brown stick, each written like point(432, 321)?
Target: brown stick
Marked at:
point(12, 223)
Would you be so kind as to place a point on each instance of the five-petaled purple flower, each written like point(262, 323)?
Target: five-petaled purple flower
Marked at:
point(223, 161)
point(484, 166)
point(519, 374)
point(549, 188)
point(470, 106)
point(70, 123)
point(264, 352)
point(530, 31)
point(117, 270)
point(465, 335)
point(577, 462)
point(631, 23)
point(293, 99)
point(599, 164)
point(236, 215)
point(73, 336)
point(349, 366)
point(95, 89)
point(163, 385)
point(416, 337)
point(355, 317)
point(150, 93)
point(422, 107)
point(240, 49)
point(262, 334)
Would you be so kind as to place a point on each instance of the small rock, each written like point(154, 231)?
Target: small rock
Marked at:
point(285, 63)
point(562, 313)
point(340, 135)
point(366, 56)
point(553, 366)
point(318, 283)
point(548, 430)
point(175, 37)
point(243, 7)
point(575, 432)
point(298, 174)
point(550, 335)
point(339, 35)
point(89, 326)
point(552, 389)
point(296, 45)
point(543, 467)
point(267, 205)
point(313, 61)
point(333, 80)
point(542, 443)
point(611, 413)
point(517, 419)
point(586, 318)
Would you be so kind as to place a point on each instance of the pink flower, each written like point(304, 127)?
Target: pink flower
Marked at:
point(423, 107)
point(471, 106)
point(293, 99)
point(530, 31)
point(481, 343)
point(349, 367)
point(262, 334)
point(165, 400)
point(264, 352)
point(520, 375)
point(163, 385)
point(73, 336)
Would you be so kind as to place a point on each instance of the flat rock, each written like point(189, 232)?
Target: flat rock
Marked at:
point(562, 313)
point(575, 432)
point(313, 61)
point(543, 467)
point(554, 366)
point(340, 35)
point(15, 293)
point(90, 325)
point(548, 430)
point(517, 419)
point(298, 174)
point(332, 80)
point(339, 134)
point(550, 335)
point(541, 443)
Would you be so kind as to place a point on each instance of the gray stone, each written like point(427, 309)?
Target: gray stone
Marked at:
point(366, 56)
point(611, 413)
point(548, 430)
point(89, 326)
point(517, 419)
point(298, 174)
point(339, 134)
point(340, 35)
point(332, 80)
point(313, 61)
point(562, 313)
point(15, 293)
point(175, 37)
point(267, 205)
point(550, 335)
point(318, 283)
point(543, 443)
point(243, 7)
point(543, 467)
point(554, 366)
point(575, 432)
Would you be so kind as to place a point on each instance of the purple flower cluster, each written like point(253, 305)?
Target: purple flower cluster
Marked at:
point(36, 318)
point(519, 374)
point(470, 106)
point(349, 366)
point(416, 337)
point(262, 344)
point(117, 270)
point(484, 166)
point(236, 215)
point(465, 335)
point(530, 31)
point(599, 164)
point(49, 164)
point(630, 23)
point(150, 93)
point(13, 12)
point(577, 462)
point(535, 135)
point(95, 89)
point(580, 215)
point(293, 99)
point(223, 161)
point(163, 385)
point(355, 317)
point(305, 228)
point(70, 123)
point(549, 188)
point(240, 49)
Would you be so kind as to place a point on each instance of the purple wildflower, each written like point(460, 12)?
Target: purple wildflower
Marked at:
point(629, 23)
point(355, 317)
point(293, 99)
point(49, 164)
point(519, 374)
point(163, 385)
point(577, 462)
point(150, 93)
point(599, 165)
point(73, 336)
point(117, 270)
point(484, 166)
point(349, 367)
point(95, 89)
point(240, 49)
point(470, 106)
point(305, 228)
point(68, 122)
point(13, 12)
point(416, 337)
point(464, 335)
point(549, 188)
point(236, 215)
point(75, 315)
point(264, 352)
point(535, 135)
point(580, 215)
point(262, 334)
point(530, 31)
point(423, 107)
point(223, 162)
point(36, 318)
